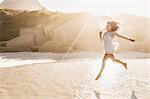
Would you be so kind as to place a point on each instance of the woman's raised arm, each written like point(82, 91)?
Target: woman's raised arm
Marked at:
point(121, 36)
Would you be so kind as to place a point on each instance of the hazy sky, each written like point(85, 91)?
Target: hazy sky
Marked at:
point(138, 7)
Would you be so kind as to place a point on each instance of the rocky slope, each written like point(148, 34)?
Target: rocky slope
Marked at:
point(21, 4)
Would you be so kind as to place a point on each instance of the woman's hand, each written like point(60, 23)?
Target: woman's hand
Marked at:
point(132, 40)
point(100, 34)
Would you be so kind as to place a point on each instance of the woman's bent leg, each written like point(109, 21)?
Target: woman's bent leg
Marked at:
point(103, 66)
point(118, 61)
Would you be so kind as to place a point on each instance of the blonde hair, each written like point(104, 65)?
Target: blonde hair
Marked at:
point(114, 25)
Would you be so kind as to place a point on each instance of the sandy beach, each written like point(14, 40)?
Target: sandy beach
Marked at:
point(44, 76)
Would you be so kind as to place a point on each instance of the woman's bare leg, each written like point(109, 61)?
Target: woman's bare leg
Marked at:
point(103, 66)
point(118, 61)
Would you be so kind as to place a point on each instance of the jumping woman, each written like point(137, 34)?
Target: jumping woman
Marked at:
point(108, 35)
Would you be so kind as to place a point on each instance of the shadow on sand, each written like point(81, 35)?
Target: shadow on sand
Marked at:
point(133, 96)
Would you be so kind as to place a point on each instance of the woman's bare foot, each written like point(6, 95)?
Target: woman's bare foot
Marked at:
point(125, 65)
point(97, 77)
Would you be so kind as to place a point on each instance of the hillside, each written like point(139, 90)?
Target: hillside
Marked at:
point(21, 4)
point(47, 31)
point(12, 20)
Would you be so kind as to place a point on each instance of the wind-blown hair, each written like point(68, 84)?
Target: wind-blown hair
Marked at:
point(114, 25)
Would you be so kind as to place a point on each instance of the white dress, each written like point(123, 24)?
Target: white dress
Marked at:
point(108, 44)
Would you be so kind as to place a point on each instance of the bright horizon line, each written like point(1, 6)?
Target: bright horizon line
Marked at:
point(100, 7)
